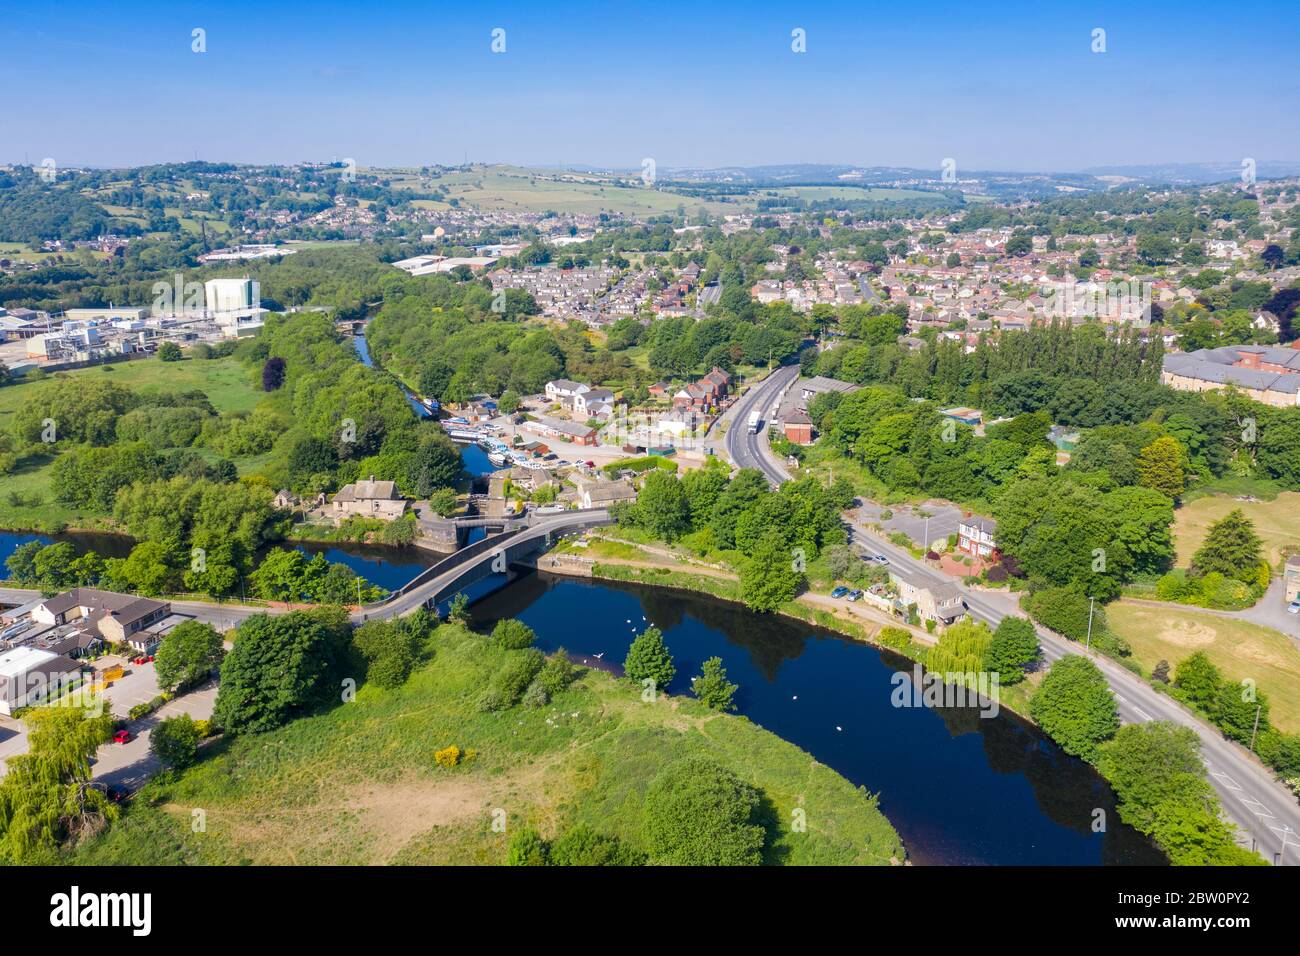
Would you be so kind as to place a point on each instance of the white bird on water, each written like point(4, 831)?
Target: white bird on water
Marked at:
point(598, 656)
point(795, 697)
point(839, 728)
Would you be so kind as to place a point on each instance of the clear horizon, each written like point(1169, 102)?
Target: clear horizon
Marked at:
point(1016, 88)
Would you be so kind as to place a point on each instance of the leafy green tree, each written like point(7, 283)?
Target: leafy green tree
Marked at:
point(1161, 466)
point(458, 609)
point(175, 741)
point(169, 352)
point(712, 687)
point(188, 654)
point(1231, 548)
point(1237, 710)
point(148, 569)
point(662, 507)
point(46, 798)
point(1199, 681)
point(508, 403)
point(280, 666)
point(1149, 765)
point(698, 813)
point(769, 578)
point(1013, 648)
point(443, 502)
point(435, 463)
point(1075, 707)
point(648, 658)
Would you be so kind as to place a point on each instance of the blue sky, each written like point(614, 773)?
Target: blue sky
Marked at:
point(994, 86)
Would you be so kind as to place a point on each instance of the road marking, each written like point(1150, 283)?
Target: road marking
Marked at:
point(1142, 713)
point(1257, 808)
point(1226, 780)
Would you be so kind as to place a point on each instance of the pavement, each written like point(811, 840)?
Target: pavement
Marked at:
point(1265, 812)
point(911, 520)
point(130, 764)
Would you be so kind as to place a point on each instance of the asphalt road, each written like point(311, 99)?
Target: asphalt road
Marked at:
point(752, 451)
point(1266, 813)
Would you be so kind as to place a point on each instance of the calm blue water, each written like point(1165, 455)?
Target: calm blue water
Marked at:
point(476, 460)
point(958, 788)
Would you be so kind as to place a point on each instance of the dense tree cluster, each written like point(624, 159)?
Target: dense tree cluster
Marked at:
point(772, 535)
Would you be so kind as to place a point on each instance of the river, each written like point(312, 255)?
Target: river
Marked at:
point(960, 789)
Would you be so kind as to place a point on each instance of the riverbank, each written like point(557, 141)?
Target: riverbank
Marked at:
point(359, 784)
point(856, 621)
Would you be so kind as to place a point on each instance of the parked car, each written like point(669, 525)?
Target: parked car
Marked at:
point(122, 736)
point(1293, 607)
point(839, 592)
point(854, 595)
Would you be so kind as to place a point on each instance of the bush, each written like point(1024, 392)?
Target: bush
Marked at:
point(527, 848)
point(508, 684)
point(147, 708)
point(447, 757)
point(536, 696)
point(583, 846)
point(512, 634)
point(698, 813)
point(175, 741)
point(558, 673)
point(895, 637)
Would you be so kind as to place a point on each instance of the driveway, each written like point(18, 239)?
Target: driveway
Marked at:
point(130, 764)
point(911, 520)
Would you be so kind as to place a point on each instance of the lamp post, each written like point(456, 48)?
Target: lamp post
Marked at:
point(1088, 645)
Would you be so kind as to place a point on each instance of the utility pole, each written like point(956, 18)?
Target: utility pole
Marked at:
point(1089, 643)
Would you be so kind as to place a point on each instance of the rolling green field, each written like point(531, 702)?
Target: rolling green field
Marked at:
point(502, 188)
point(226, 382)
point(859, 193)
point(1239, 649)
point(359, 785)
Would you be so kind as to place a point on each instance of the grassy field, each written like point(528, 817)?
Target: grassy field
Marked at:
point(1238, 648)
point(226, 382)
point(853, 193)
point(358, 784)
point(1277, 522)
point(515, 189)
